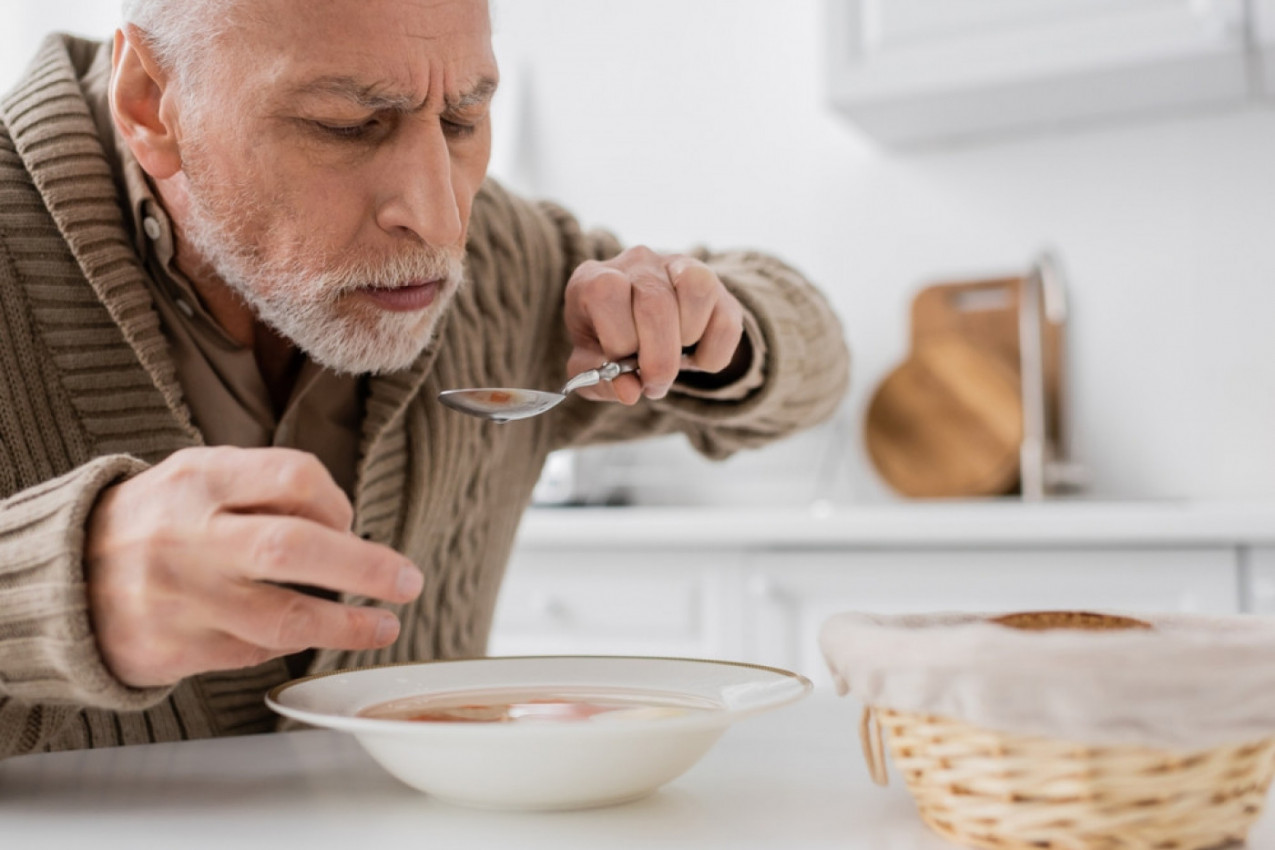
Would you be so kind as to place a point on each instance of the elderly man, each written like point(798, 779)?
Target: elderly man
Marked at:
point(242, 250)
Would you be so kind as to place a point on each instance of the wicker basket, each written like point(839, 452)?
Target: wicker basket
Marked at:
point(1006, 792)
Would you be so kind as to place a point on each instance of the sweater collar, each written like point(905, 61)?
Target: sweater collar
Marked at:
point(54, 135)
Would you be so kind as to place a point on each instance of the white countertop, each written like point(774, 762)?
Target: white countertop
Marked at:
point(790, 779)
point(999, 523)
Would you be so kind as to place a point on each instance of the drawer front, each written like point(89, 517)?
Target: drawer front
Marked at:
point(603, 602)
point(1262, 581)
point(790, 595)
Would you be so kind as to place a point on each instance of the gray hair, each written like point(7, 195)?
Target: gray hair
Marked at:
point(179, 32)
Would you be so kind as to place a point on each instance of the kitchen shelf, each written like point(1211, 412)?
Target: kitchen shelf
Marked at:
point(1000, 522)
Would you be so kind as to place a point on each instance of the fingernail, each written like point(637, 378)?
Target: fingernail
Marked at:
point(410, 582)
point(655, 392)
point(386, 629)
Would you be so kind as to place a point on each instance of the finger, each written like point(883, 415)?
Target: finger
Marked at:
point(698, 291)
point(285, 620)
point(582, 359)
point(655, 312)
point(626, 389)
point(297, 551)
point(217, 650)
point(282, 481)
point(725, 330)
point(600, 310)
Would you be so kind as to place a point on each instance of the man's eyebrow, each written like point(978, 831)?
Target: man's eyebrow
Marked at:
point(351, 89)
point(374, 97)
point(479, 94)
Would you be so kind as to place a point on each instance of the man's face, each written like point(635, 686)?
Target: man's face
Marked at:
point(332, 165)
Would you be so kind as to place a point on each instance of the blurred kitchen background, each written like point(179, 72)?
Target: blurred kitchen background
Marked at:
point(674, 121)
point(1121, 152)
point(815, 129)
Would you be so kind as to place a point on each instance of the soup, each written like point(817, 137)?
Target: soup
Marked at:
point(540, 705)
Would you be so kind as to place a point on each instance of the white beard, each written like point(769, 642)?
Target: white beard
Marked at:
point(305, 305)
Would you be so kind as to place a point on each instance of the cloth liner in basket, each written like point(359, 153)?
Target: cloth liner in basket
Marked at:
point(1070, 729)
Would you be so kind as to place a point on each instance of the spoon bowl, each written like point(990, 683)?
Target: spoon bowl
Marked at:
point(500, 404)
point(505, 404)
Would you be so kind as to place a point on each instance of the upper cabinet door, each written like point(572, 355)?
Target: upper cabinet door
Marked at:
point(917, 72)
point(1264, 39)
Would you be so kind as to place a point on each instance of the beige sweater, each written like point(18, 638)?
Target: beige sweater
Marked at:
point(89, 396)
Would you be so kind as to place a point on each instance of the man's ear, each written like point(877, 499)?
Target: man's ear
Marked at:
point(142, 105)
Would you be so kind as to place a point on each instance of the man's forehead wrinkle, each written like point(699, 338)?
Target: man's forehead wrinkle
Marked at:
point(427, 9)
point(427, 6)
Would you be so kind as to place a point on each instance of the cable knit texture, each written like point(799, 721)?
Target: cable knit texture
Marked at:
point(89, 396)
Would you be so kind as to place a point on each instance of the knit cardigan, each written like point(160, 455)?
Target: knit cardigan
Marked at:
point(89, 396)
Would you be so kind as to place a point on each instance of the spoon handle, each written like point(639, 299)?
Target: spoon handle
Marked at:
point(611, 370)
point(607, 371)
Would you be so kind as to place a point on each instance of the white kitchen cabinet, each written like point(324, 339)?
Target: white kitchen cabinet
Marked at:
point(914, 72)
point(791, 594)
point(757, 584)
point(647, 601)
point(1261, 581)
point(1264, 41)
point(767, 606)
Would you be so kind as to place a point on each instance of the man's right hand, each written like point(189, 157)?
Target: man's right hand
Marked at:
point(185, 564)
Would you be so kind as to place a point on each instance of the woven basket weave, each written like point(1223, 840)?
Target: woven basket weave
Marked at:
point(1008, 792)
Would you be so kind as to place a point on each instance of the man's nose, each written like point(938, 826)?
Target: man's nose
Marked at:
point(419, 197)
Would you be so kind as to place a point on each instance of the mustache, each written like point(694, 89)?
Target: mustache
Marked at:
point(423, 264)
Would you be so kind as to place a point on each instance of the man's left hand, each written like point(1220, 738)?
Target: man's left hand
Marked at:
point(655, 306)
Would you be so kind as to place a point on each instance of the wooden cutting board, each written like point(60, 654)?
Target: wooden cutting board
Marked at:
point(948, 421)
point(986, 313)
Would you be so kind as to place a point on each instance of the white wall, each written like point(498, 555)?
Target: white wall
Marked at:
point(679, 121)
point(672, 121)
point(24, 23)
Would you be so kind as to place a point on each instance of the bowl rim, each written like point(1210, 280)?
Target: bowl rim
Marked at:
point(723, 716)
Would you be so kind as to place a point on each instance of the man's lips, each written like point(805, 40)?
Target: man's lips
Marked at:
point(412, 296)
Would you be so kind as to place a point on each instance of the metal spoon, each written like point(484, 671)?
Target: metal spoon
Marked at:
point(505, 404)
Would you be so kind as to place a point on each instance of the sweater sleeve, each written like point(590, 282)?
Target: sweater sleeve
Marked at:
point(48, 654)
point(799, 375)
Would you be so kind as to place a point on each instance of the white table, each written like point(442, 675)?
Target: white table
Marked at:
point(791, 779)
